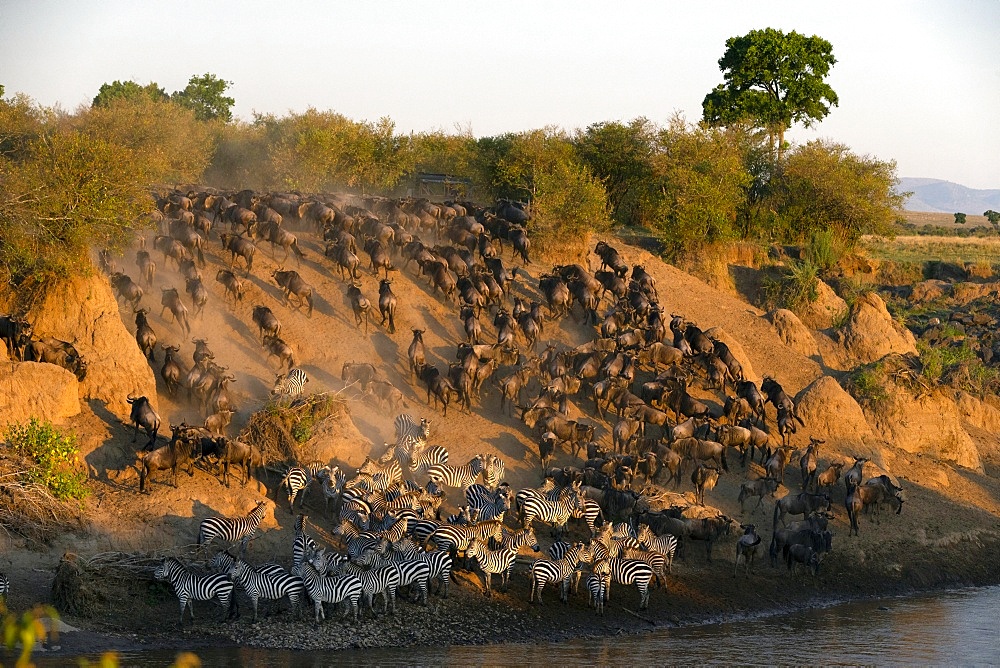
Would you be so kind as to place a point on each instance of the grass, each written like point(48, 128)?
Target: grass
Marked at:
point(920, 249)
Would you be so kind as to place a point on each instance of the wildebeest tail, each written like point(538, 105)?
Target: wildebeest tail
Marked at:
point(725, 464)
point(296, 250)
point(777, 513)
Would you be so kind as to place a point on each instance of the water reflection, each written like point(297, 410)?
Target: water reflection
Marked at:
point(958, 628)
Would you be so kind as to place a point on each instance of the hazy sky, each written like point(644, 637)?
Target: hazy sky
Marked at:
point(919, 82)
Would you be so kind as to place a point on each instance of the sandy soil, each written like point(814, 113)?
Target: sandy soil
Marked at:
point(946, 535)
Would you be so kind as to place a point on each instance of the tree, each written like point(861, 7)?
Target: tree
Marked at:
point(205, 95)
point(620, 156)
point(128, 90)
point(993, 217)
point(772, 80)
point(960, 219)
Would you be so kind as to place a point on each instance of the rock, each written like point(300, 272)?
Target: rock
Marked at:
point(736, 349)
point(83, 311)
point(963, 293)
point(946, 271)
point(825, 311)
point(33, 389)
point(793, 333)
point(833, 415)
point(928, 291)
point(870, 332)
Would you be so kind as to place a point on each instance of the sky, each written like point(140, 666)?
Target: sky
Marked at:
point(918, 82)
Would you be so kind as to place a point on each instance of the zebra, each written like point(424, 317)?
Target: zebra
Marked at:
point(332, 480)
point(358, 542)
point(665, 544)
point(515, 541)
point(499, 561)
point(445, 475)
point(556, 513)
point(589, 511)
point(595, 589)
point(189, 587)
point(291, 384)
point(421, 530)
point(388, 468)
point(4, 586)
point(493, 471)
point(454, 538)
point(303, 545)
point(438, 561)
point(491, 505)
point(414, 573)
point(411, 436)
point(544, 571)
point(424, 459)
point(388, 502)
point(260, 585)
point(384, 580)
point(297, 480)
point(336, 589)
point(231, 529)
point(655, 560)
point(630, 572)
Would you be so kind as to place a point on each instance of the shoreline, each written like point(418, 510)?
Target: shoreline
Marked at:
point(385, 632)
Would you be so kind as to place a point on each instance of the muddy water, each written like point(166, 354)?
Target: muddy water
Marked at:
point(957, 628)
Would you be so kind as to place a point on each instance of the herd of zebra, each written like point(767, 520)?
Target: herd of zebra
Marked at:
point(392, 536)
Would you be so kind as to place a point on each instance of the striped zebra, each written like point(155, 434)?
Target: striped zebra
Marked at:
point(500, 562)
point(421, 530)
point(445, 475)
point(384, 580)
point(413, 573)
point(411, 437)
point(337, 589)
point(595, 591)
point(229, 529)
point(332, 480)
point(223, 561)
point(291, 384)
point(454, 538)
point(665, 544)
point(389, 469)
point(544, 571)
point(297, 480)
point(493, 471)
point(491, 504)
point(590, 511)
point(4, 586)
point(302, 545)
point(382, 503)
point(428, 457)
point(259, 585)
point(655, 560)
point(630, 572)
point(515, 541)
point(438, 561)
point(556, 513)
point(358, 542)
point(189, 587)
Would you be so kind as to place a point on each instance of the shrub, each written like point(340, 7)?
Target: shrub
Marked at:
point(54, 457)
point(868, 386)
point(794, 287)
point(824, 249)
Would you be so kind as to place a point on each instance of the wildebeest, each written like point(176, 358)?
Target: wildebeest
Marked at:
point(819, 540)
point(279, 236)
point(127, 289)
point(239, 453)
point(345, 258)
point(147, 268)
point(216, 423)
point(199, 294)
point(276, 347)
point(171, 371)
point(177, 453)
point(170, 299)
point(808, 463)
point(386, 394)
point(232, 284)
point(746, 547)
point(142, 415)
point(708, 529)
point(361, 373)
point(704, 479)
point(415, 353)
point(16, 333)
point(872, 493)
point(802, 503)
point(239, 246)
point(611, 259)
point(438, 386)
point(266, 321)
point(61, 353)
point(293, 284)
point(760, 488)
point(360, 305)
point(697, 449)
point(171, 248)
point(802, 554)
point(387, 304)
point(144, 335)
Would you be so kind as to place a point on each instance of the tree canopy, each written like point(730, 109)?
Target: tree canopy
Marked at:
point(772, 80)
point(130, 91)
point(205, 96)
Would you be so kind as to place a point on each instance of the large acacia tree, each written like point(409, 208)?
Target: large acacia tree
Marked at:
point(773, 81)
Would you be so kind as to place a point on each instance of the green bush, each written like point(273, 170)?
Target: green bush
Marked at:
point(824, 249)
point(868, 386)
point(54, 457)
point(794, 287)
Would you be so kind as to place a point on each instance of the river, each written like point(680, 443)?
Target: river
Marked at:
point(954, 628)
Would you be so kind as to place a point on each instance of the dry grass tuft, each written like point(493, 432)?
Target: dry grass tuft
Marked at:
point(279, 432)
point(28, 509)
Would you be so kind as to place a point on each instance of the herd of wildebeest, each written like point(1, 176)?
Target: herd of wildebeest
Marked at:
point(632, 380)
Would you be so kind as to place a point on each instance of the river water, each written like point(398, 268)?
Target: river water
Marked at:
point(955, 628)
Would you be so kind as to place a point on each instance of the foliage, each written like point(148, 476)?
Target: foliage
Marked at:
point(826, 186)
point(699, 177)
point(55, 458)
point(620, 156)
point(823, 249)
point(993, 217)
point(868, 385)
point(129, 91)
point(63, 189)
point(25, 630)
point(205, 96)
point(793, 287)
point(772, 80)
point(960, 219)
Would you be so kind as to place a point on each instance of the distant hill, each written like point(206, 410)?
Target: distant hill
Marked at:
point(947, 197)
